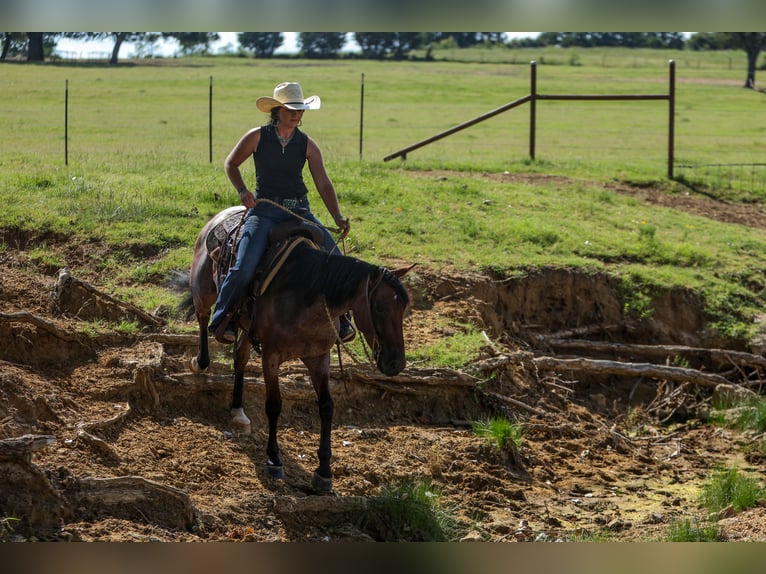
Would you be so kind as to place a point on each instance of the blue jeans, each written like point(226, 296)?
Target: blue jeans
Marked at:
point(254, 237)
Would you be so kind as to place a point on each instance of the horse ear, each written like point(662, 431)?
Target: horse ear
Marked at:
point(402, 271)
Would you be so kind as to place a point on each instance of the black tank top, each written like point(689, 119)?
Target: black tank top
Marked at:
point(278, 171)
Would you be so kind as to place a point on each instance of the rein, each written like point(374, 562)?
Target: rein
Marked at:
point(335, 230)
point(371, 354)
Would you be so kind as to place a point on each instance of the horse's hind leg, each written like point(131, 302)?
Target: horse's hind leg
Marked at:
point(319, 369)
point(201, 362)
point(203, 295)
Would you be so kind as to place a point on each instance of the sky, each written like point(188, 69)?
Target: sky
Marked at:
point(169, 48)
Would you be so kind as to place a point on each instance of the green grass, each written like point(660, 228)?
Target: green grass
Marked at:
point(459, 346)
point(140, 181)
point(589, 536)
point(499, 432)
point(729, 486)
point(725, 487)
point(743, 413)
point(753, 416)
point(691, 530)
point(411, 508)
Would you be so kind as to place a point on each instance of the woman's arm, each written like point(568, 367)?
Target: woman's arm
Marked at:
point(243, 150)
point(325, 186)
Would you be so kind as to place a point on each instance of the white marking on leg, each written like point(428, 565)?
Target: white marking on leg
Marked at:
point(240, 424)
point(194, 366)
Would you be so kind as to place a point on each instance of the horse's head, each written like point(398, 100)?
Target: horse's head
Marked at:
point(379, 315)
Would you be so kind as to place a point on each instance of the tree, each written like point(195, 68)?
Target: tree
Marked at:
point(667, 40)
point(14, 44)
point(752, 43)
point(708, 41)
point(36, 51)
point(374, 45)
point(466, 39)
point(405, 42)
point(263, 44)
point(193, 42)
point(321, 44)
point(397, 45)
point(549, 38)
point(118, 37)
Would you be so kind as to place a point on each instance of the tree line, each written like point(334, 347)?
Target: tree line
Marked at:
point(392, 45)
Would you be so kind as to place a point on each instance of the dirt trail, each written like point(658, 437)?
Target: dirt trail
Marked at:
point(141, 449)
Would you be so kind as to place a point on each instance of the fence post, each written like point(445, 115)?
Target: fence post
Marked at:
point(361, 118)
point(671, 116)
point(66, 123)
point(532, 106)
point(210, 120)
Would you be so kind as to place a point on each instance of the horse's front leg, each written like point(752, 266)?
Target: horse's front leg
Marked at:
point(270, 363)
point(240, 424)
point(319, 369)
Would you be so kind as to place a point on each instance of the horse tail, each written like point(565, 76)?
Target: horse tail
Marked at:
point(179, 282)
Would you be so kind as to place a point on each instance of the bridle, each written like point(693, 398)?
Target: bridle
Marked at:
point(368, 295)
point(368, 292)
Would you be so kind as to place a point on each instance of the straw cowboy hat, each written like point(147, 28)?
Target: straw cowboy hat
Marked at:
point(289, 95)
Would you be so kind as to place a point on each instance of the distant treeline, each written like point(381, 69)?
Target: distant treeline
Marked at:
point(36, 46)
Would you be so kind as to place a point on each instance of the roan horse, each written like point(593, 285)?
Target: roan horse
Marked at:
point(297, 317)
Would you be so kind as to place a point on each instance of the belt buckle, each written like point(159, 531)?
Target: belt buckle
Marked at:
point(290, 203)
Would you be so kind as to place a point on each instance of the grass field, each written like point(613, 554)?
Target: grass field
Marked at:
point(139, 170)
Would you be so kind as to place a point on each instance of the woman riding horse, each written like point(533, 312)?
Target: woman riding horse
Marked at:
point(280, 151)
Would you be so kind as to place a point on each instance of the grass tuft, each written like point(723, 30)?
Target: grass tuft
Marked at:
point(411, 509)
point(728, 487)
point(499, 432)
point(688, 530)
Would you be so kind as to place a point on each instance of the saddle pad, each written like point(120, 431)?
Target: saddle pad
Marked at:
point(220, 233)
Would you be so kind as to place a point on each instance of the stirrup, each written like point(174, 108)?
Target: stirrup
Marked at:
point(346, 332)
point(226, 334)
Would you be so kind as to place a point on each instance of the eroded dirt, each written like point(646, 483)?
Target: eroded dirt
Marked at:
point(141, 449)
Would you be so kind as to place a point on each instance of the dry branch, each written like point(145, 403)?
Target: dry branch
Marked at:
point(97, 444)
point(74, 296)
point(408, 380)
point(721, 355)
point(40, 323)
point(173, 339)
point(21, 448)
point(600, 367)
point(149, 500)
point(516, 403)
point(107, 423)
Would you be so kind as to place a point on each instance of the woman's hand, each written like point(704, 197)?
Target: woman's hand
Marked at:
point(344, 224)
point(247, 198)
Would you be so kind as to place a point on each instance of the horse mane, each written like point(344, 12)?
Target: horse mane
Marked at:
point(334, 277)
point(319, 274)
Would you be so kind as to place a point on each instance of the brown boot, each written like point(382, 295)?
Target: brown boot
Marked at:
point(226, 333)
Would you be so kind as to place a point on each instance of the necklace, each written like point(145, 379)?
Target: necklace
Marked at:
point(285, 141)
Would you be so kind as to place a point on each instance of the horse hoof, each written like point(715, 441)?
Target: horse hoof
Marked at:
point(194, 366)
point(321, 484)
point(275, 471)
point(240, 424)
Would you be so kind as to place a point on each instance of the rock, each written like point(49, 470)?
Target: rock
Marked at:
point(472, 536)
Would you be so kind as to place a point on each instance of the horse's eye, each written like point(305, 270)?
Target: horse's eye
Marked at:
point(378, 308)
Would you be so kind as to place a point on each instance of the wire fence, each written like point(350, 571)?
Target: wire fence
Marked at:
point(742, 178)
point(87, 57)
